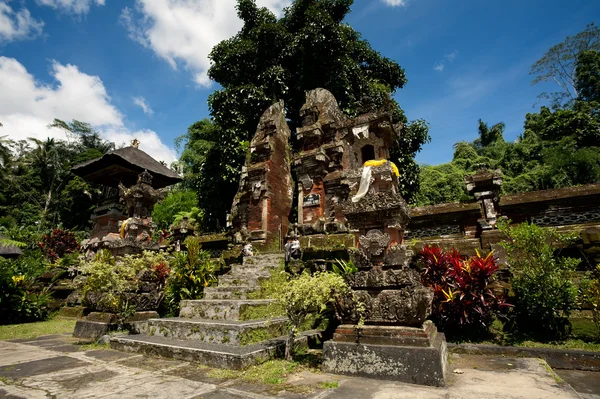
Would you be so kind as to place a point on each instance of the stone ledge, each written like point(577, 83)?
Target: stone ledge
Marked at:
point(565, 359)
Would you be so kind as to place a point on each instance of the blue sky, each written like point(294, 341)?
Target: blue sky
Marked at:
point(136, 68)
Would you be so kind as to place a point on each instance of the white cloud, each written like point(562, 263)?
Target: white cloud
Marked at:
point(141, 102)
point(17, 25)
point(448, 58)
point(395, 3)
point(27, 106)
point(72, 6)
point(184, 31)
point(452, 56)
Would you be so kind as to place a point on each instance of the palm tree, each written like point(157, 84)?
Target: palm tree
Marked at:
point(50, 159)
point(489, 135)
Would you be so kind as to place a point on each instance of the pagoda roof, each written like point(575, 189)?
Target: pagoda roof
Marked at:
point(9, 250)
point(123, 166)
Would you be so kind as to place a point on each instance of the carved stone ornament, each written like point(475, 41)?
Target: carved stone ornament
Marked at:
point(374, 242)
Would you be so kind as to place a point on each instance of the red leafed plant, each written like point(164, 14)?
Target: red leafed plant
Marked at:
point(161, 271)
point(467, 292)
point(58, 243)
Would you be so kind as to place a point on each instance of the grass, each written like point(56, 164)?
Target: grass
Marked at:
point(584, 336)
point(271, 372)
point(329, 384)
point(56, 325)
point(93, 346)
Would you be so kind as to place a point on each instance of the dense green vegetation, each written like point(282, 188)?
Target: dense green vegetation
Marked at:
point(559, 147)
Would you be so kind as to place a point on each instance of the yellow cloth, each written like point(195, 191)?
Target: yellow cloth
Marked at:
point(123, 228)
point(379, 162)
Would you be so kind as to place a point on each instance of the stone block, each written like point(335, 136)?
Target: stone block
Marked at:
point(90, 329)
point(423, 365)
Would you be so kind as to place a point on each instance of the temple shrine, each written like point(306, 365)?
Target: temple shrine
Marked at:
point(132, 182)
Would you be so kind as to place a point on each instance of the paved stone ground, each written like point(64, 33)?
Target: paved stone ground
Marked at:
point(55, 367)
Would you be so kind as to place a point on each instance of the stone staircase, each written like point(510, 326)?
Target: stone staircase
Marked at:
point(225, 329)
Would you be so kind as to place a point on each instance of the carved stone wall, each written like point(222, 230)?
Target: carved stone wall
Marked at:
point(464, 225)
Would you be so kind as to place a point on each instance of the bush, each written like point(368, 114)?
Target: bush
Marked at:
point(541, 282)
point(191, 272)
point(590, 295)
point(58, 243)
point(467, 292)
point(308, 294)
point(109, 282)
point(20, 301)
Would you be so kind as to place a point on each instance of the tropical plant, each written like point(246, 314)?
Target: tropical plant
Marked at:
point(177, 201)
point(542, 281)
point(191, 271)
point(343, 267)
point(21, 300)
point(467, 292)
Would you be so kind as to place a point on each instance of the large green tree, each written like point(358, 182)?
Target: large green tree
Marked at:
point(559, 65)
point(271, 59)
point(588, 75)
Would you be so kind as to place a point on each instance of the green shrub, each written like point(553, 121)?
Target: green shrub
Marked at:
point(590, 295)
point(309, 295)
point(108, 280)
point(544, 293)
point(191, 272)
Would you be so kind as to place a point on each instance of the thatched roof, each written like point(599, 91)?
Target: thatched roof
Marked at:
point(124, 165)
point(9, 250)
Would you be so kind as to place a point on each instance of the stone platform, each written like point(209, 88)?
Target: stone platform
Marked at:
point(403, 354)
point(226, 329)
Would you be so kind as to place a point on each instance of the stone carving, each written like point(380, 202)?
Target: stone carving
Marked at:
point(374, 242)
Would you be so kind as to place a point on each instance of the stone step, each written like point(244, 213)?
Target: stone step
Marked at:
point(230, 309)
point(227, 292)
point(250, 270)
point(214, 355)
point(266, 260)
point(227, 280)
point(232, 333)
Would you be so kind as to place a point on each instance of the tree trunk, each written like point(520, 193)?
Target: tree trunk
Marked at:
point(289, 346)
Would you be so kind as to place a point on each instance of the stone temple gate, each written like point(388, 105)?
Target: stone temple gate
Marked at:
point(346, 185)
point(332, 149)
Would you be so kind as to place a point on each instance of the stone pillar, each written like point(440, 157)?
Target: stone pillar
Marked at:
point(396, 341)
point(263, 202)
point(485, 186)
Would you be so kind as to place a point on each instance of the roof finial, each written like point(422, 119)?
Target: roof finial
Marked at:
point(135, 143)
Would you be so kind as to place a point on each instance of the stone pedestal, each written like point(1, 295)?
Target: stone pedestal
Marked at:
point(405, 354)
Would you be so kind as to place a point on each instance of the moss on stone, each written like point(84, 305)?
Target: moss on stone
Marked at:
point(261, 311)
point(257, 335)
